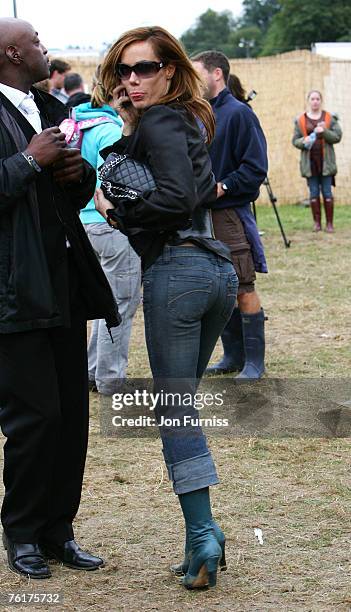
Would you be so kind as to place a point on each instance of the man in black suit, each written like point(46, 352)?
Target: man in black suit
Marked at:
point(50, 284)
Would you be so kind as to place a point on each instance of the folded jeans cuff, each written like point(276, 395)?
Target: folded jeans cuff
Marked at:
point(193, 474)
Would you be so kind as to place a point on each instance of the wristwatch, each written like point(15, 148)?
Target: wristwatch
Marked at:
point(224, 187)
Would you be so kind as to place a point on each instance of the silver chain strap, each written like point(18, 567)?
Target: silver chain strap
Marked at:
point(111, 164)
point(120, 192)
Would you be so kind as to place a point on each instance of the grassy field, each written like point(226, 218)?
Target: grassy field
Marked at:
point(298, 491)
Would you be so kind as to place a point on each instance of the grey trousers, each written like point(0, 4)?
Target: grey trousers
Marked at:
point(107, 361)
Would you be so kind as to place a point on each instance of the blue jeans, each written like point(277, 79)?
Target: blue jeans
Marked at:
point(315, 183)
point(189, 295)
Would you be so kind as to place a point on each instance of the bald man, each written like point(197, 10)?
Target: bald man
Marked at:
point(50, 284)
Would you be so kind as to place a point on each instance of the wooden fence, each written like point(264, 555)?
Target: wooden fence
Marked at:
point(283, 82)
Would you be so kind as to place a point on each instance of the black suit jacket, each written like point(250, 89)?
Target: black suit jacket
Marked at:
point(31, 242)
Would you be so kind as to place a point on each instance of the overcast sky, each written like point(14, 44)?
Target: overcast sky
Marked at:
point(89, 22)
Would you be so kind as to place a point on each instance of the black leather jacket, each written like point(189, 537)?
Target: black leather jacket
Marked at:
point(170, 142)
point(26, 300)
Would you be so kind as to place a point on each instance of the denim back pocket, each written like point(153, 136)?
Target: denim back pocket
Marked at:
point(188, 296)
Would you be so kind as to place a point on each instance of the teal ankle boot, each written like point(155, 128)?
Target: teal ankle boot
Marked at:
point(205, 551)
point(180, 569)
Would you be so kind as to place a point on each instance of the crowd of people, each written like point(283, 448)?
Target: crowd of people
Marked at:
point(192, 242)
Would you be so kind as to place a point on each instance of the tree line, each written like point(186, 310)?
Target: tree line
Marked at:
point(268, 27)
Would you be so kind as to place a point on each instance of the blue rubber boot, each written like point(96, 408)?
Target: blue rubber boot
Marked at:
point(254, 346)
point(205, 551)
point(180, 569)
point(233, 359)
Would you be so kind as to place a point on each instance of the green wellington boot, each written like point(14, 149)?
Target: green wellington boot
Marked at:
point(254, 345)
point(233, 349)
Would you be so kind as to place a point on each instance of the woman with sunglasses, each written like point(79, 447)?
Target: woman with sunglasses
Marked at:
point(189, 282)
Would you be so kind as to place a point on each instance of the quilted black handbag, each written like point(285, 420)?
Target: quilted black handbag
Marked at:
point(124, 177)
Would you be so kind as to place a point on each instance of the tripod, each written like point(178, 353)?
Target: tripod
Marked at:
point(273, 201)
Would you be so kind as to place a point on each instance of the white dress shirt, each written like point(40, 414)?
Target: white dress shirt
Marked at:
point(25, 104)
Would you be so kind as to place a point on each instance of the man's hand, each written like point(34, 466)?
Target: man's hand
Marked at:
point(70, 168)
point(47, 147)
point(220, 190)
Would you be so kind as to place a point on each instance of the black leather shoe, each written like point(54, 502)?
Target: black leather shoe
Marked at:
point(26, 559)
point(72, 556)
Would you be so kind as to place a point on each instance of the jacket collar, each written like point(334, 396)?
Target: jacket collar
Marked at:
point(221, 98)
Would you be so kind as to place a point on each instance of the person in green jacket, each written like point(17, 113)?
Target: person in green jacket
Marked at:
point(316, 131)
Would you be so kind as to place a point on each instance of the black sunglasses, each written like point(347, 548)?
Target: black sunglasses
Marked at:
point(143, 70)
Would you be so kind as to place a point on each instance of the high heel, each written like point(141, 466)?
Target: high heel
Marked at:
point(180, 569)
point(203, 566)
point(211, 566)
point(223, 563)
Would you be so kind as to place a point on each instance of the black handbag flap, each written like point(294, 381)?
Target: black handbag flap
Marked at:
point(122, 170)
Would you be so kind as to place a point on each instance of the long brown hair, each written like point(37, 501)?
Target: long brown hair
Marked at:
point(185, 83)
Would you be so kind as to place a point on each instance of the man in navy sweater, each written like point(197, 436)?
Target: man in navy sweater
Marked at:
point(239, 160)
